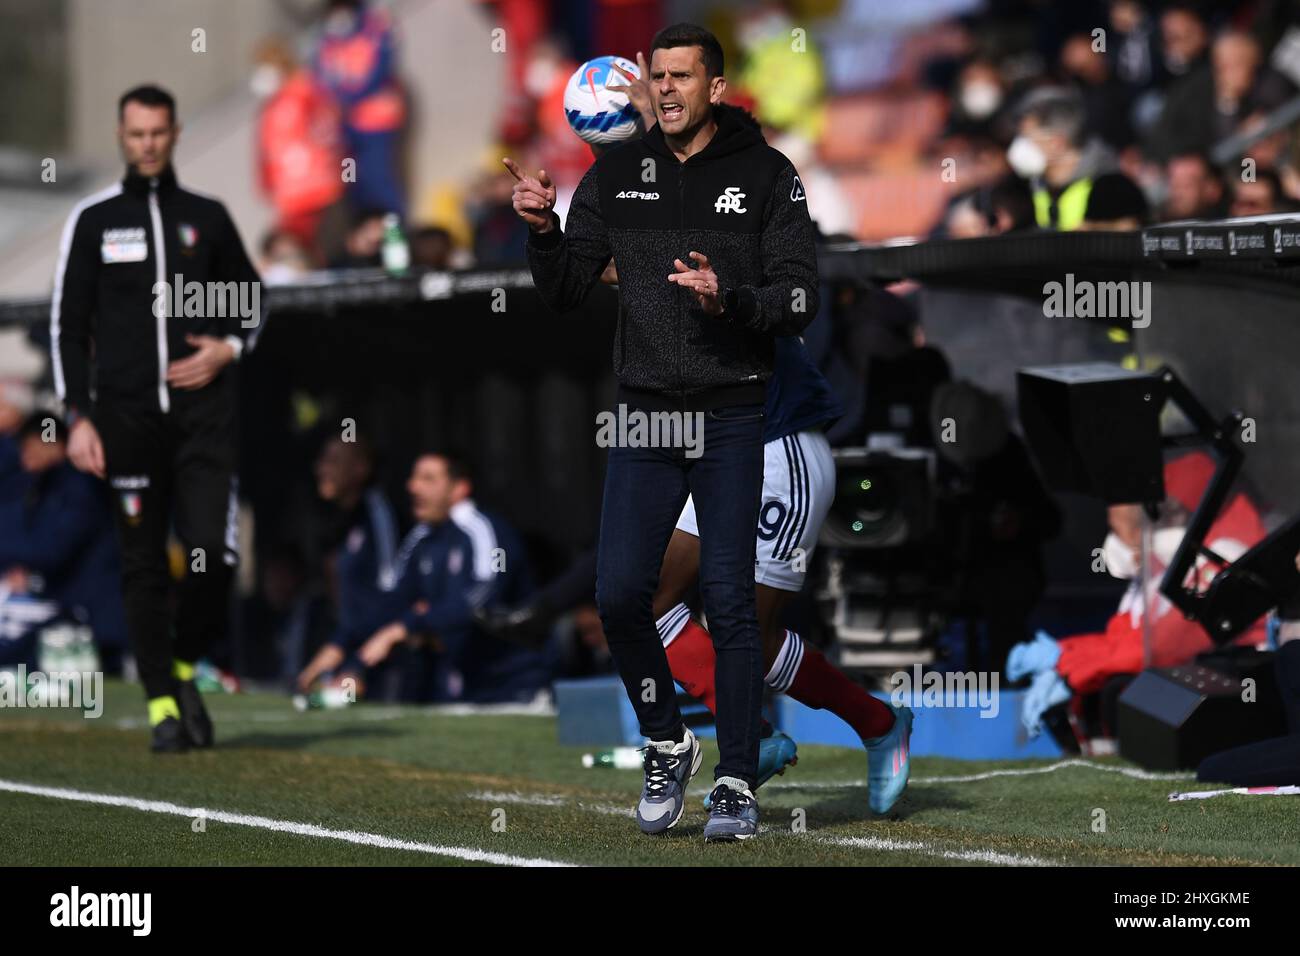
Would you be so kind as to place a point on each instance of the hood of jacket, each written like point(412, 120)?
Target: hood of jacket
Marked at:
point(737, 130)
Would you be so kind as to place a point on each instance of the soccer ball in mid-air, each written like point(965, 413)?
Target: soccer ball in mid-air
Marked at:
point(596, 114)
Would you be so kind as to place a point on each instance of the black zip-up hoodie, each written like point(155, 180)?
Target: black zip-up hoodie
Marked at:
point(739, 202)
point(116, 245)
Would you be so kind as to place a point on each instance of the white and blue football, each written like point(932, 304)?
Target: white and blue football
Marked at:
point(595, 113)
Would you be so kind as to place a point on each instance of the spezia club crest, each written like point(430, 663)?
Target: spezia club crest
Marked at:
point(189, 235)
point(729, 201)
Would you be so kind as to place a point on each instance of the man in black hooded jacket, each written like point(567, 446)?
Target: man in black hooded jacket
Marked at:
point(692, 353)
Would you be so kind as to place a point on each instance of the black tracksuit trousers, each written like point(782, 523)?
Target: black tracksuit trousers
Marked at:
point(165, 470)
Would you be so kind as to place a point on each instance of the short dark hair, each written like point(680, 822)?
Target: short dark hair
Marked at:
point(147, 95)
point(688, 34)
point(457, 467)
point(1196, 155)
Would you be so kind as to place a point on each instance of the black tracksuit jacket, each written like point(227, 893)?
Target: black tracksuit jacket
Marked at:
point(737, 201)
point(116, 245)
point(170, 452)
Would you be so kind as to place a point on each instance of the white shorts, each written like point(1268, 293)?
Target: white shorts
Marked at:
point(798, 487)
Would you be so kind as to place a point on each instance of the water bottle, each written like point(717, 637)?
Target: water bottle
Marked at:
point(87, 657)
point(396, 253)
point(620, 758)
point(331, 697)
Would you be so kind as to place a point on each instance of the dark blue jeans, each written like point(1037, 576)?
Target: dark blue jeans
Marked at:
point(645, 490)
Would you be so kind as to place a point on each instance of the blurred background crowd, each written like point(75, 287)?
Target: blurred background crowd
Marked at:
point(954, 119)
point(927, 119)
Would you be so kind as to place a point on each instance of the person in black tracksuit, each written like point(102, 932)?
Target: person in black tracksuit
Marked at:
point(698, 340)
point(151, 396)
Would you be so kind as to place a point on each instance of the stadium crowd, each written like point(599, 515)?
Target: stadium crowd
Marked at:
point(999, 116)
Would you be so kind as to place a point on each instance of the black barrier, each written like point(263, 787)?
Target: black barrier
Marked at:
point(432, 362)
point(1260, 249)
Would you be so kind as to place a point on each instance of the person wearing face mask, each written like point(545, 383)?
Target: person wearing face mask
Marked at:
point(1052, 152)
point(357, 62)
point(979, 99)
point(298, 142)
point(1083, 663)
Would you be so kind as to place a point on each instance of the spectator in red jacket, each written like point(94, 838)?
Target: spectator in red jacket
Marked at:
point(299, 147)
point(1082, 663)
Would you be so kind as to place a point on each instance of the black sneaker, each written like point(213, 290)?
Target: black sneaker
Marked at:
point(194, 716)
point(169, 737)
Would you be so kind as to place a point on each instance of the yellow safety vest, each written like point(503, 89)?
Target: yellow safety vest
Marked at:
point(1070, 206)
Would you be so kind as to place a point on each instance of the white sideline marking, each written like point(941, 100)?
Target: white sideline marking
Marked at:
point(916, 846)
point(549, 800)
point(1132, 772)
point(279, 826)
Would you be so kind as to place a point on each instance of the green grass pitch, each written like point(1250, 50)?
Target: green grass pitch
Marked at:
point(389, 785)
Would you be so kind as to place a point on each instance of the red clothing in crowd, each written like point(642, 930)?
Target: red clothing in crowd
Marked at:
point(560, 152)
point(299, 154)
point(1087, 660)
point(626, 27)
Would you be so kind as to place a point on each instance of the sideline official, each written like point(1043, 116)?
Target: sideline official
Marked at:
point(150, 392)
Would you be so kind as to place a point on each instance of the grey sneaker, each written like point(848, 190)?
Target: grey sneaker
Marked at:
point(733, 813)
point(669, 767)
